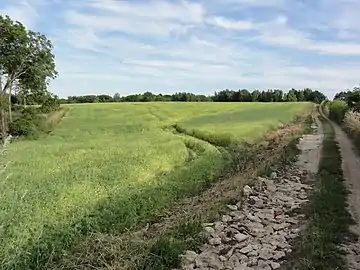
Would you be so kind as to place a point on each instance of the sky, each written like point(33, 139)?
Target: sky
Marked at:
point(200, 46)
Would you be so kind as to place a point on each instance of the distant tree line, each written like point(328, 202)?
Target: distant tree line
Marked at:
point(227, 95)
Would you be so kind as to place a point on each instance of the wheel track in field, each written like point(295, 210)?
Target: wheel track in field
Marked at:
point(351, 172)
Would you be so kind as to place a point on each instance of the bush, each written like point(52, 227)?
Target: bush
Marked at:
point(337, 110)
point(23, 127)
point(51, 104)
point(27, 124)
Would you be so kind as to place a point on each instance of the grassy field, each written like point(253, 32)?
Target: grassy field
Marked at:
point(113, 167)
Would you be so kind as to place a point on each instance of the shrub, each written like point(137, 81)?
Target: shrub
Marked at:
point(22, 127)
point(51, 104)
point(27, 124)
point(337, 110)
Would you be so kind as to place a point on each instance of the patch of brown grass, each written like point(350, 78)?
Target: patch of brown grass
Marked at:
point(52, 119)
point(351, 125)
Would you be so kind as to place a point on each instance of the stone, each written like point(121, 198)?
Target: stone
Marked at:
point(281, 226)
point(273, 175)
point(263, 266)
point(189, 257)
point(253, 261)
point(279, 255)
point(189, 266)
point(236, 215)
point(275, 265)
point(246, 249)
point(243, 258)
point(253, 253)
point(266, 254)
point(232, 207)
point(215, 263)
point(241, 237)
point(209, 230)
point(222, 258)
point(247, 190)
point(242, 267)
point(215, 241)
point(253, 218)
point(226, 218)
point(219, 226)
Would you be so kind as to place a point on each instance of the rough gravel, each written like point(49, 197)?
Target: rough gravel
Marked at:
point(257, 232)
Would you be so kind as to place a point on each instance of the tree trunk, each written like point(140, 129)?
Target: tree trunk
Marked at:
point(10, 113)
point(2, 110)
point(3, 125)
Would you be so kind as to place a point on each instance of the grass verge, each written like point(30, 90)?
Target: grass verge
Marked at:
point(328, 217)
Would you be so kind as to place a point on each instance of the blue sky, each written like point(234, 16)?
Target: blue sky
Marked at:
point(109, 46)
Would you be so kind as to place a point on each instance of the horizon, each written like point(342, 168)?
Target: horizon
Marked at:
point(108, 46)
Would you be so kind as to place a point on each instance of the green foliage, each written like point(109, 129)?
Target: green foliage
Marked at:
point(352, 98)
point(337, 110)
point(25, 56)
point(50, 104)
point(113, 167)
point(291, 96)
point(227, 95)
point(27, 124)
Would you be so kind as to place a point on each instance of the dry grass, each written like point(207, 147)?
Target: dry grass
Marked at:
point(351, 125)
point(52, 119)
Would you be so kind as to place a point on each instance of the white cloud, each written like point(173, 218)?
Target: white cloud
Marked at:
point(198, 45)
point(180, 11)
point(231, 24)
point(21, 11)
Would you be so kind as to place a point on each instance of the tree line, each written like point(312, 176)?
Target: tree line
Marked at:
point(243, 95)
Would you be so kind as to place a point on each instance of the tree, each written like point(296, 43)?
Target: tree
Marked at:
point(278, 95)
point(117, 97)
point(26, 59)
point(245, 95)
point(255, 95)
point(353, 99)
point(291, 96)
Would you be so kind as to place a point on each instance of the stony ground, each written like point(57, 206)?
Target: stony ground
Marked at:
point(258, 232)
point(259, 235)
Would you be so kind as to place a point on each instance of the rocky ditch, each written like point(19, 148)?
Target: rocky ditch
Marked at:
point(256, 232)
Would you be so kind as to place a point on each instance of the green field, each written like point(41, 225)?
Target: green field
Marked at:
point(112, 167)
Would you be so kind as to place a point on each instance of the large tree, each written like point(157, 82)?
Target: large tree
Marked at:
point(26, 60)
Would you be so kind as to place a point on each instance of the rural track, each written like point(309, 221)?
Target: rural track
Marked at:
point(351, 172)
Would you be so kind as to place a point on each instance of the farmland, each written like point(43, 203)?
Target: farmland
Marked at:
point(113, 167)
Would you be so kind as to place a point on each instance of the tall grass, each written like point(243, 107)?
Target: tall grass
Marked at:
point(112, 168)
point(351, 126)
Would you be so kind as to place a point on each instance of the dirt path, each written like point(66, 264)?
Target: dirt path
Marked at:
point(351, 170)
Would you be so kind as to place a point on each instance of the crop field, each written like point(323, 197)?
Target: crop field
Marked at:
point(113, 167)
